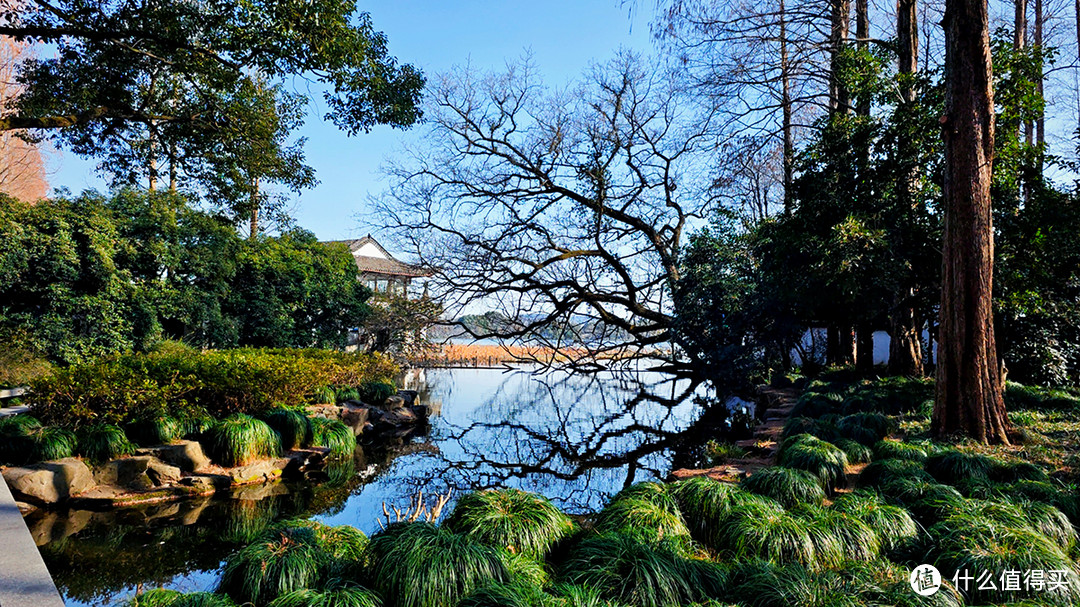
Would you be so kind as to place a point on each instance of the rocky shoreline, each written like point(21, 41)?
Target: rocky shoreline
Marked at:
point(181, 469)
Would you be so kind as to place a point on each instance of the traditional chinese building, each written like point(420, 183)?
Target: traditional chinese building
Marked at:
point(379, 271)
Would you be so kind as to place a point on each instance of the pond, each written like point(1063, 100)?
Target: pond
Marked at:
point(574, 438)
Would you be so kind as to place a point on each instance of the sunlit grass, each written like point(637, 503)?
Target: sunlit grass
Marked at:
point(239, 440)
point(521, 522)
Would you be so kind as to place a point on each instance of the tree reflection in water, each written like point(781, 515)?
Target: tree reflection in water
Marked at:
point(574, 438)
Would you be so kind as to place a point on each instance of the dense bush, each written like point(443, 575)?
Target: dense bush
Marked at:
point(182, 383)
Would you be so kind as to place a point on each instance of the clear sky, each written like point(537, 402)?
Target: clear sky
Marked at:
point(564, 37)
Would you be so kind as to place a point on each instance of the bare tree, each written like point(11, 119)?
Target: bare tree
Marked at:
point(969, 396)
point(22, 169)
point(564, 210)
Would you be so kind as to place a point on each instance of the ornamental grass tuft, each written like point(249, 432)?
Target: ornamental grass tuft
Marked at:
point(513, 594)
point(421, 565)
point(333, 434)
point(324, 395)
point(884, 471)
point(788, 486)
point(823, 459)
point(103, 442)
point(157, 430)
point(705, 504)
point(857, 453)
point(630, 572)
point(52, 443)
point(282, 560)
point(519, 521)
point(894, 449)
point(239, 440)
point(294, 428)
point(337, 595)
point(767, 531)
point(643, 518)
point(893, 524)
point(841, 536)
point(952, 466)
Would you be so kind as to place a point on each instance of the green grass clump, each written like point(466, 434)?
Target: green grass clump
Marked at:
point(788, 486)
point(893, 524)
point(158, 597)
point(977, 543)
point(513, 594)
point(894, 449)
point(18, 425)
point(857, 453)
point(814, 405)
point(866, 427)
point(823, 459)
point(339, 595)
point(52, 443)
point(421, 565)
point(717, 453)
point(103, 442)
point(822, 428)
point(952, 466)
point(282, 560)
point(162, 597)
point(884, 471)
point(522, 522)
point(767, 531)
point(840, 537)
point(150, 431)
point(642, 518)
point(239, 440)
point(375, 392)
point(292, 426)
point(324, 395)
point(193, 425)
point(333, 434)
point(633, 573)
point(1018, 471)
point(705, 504)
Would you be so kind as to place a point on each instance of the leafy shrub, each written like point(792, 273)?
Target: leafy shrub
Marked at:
point(333, 434)
point(421, 565)
point(823, 459)
point(294, 428)
point(522, 522)
point(376, 392)
point(122, 388)
point(788, 486)
point(157, 430)
point(239, 440)
point(103, 442)
point(281, 561)
point(641, 575)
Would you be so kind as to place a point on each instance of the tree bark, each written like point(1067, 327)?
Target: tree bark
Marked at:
point(864, 349)
point(905, 346)
point(969, 387)
point(785, 102)
point(862, 37)
point(907, 34)
point(1040, 120)
point(841, 26)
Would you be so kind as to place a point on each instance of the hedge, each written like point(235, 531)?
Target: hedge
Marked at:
point(182, 384)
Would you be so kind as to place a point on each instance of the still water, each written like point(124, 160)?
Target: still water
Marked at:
point(576, 439)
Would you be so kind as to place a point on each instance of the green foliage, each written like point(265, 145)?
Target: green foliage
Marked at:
point(705, 504)
point(841, 536)
point(294, 428)
point(333, 434)
point(157, 430)
point(788, 486)
point(16, 436)
point(857, 453)
point(768, 532)
point(894, 449)
point(52, 443)
point(281, 561)
point(421, 565)
point(867, 427)
point(375, 392)
point(346, 394)
point(103, 442)
point(239, 440)
point(717, 453)
point(161, 597)
point(340, 596)
point(514, 594)
point(157, 597)
point(633, 573)
point(884, 471)
point(952, 466)
point(893, 524)
point(648, 520)
point(182, 384)
point(324, 394)
point(523, 523)
point(823, 459)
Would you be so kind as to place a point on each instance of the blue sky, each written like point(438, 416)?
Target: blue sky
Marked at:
point(563, 36)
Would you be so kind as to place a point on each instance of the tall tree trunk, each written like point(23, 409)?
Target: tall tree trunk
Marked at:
point(1040, 120)
point(785, 102)
point(841, 26)
point(905, 347)
point(907, 35)
point(969, 386)
point(862, 37)
point(253, 222)
point(864, 349)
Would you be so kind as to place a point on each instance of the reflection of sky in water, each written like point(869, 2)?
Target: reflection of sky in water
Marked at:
point(574, 438)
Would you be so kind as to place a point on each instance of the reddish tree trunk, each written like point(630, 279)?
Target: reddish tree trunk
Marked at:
point(969, 386)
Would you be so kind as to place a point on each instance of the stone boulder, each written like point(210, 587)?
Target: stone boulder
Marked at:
point(355, 417)
point(409, 396)
point(258, 472)
point(50, 482)
point(127, 472)
point(163, 474)
point(187, 455)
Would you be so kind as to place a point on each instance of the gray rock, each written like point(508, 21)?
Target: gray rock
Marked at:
point(355, 417)
point(126, 472)
point(187, 455)
point(260, 471)
point(163, 474)
point(409, 396)
point(50, 482)
point(393, 402)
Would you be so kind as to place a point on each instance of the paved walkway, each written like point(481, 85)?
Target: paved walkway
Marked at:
point(24, 580)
